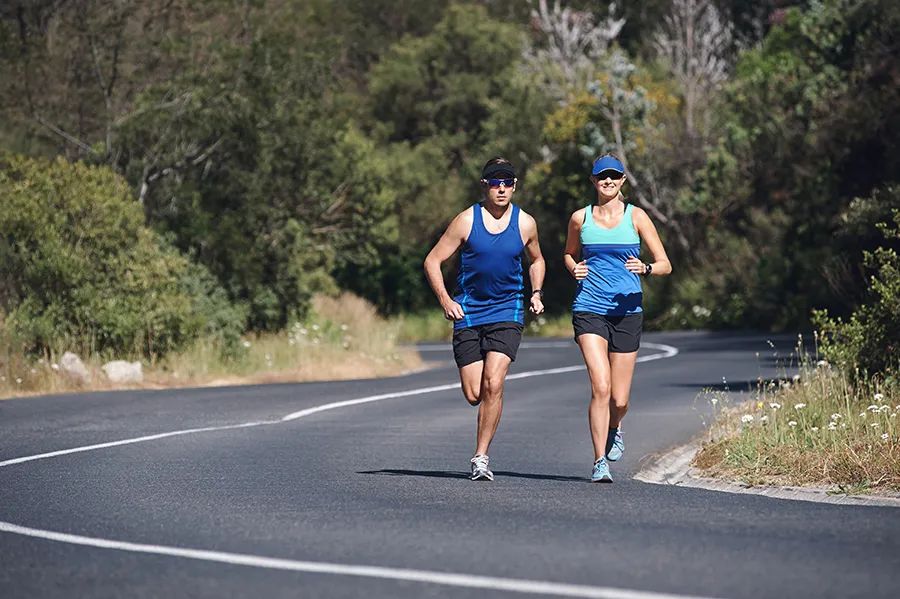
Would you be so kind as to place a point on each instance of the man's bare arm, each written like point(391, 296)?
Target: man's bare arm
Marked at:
point(447, 245)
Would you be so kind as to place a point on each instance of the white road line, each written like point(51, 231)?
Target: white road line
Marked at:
point(189, 431)
point(514, 585)
point(667, 351)
point(424, 576)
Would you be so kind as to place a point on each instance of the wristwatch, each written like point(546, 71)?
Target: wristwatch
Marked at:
point(648, 268)
point(539, 292)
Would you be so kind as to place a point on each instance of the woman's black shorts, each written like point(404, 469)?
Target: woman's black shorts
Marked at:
point(473, 343)
point(623, 333)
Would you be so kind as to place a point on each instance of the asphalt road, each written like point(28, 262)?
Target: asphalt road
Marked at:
point(371, 498)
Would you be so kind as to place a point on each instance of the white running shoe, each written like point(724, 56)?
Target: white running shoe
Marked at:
point(480, 470)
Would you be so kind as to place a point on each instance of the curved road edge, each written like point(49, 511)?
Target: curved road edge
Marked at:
point(674, 468)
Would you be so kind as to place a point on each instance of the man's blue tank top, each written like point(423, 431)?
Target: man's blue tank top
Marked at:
point(609, 288)
point(489, 284)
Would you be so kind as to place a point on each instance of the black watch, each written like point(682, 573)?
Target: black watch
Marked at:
point(539, 292)
point(648, 268)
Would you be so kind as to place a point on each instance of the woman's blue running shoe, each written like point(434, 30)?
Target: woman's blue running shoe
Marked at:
point(601, 472)
point(615, 445)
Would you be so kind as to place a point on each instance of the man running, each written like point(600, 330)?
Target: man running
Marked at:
point(486, 309)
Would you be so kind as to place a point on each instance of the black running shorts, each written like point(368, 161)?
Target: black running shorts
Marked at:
point(473, 343)
point(623, 333)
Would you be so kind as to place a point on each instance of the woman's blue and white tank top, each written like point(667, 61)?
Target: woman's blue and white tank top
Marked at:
point(489, 284)
point(609, 288)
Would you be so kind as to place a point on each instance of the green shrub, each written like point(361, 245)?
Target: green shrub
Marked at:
point(80, 271)
point(870, 339)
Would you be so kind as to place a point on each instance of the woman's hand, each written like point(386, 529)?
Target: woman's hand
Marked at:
point(452, 310)
point(636, 266)
point(580, 271)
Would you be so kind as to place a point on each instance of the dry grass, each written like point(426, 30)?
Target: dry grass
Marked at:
point(343, 338)
point(817, 428)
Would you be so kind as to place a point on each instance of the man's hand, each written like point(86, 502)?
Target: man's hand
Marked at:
point(537, 304)
point(452, 310)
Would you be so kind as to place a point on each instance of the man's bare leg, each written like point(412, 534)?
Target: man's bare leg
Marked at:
point(493, 376)
point(470, 377)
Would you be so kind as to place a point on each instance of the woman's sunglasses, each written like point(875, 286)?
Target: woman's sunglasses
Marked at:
point(499, 182)
point(614, 175)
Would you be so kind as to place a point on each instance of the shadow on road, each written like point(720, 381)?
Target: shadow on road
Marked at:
point(462, 475)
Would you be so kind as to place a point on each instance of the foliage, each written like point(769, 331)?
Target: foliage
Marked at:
point(80, 271)
point(869, 341)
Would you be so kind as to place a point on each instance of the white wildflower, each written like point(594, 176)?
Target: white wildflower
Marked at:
point(18, 381)
point(872, 408)
point(774, 405)
point(885, 436)
point(799, 406)
point(785, 384)
point(879, 397)
point(814, 429)
point(792, 423)
point(245, 343)
point(344, 327)
point(862, 414)
point(832, 426)
point(304, 331)
point(747, 418)
point(54, 366)
point(836, 416)
point(874, 425)
point(821, 363)
point(315, 327)
point(763, 418)
point(714, 400)
point(795, 378)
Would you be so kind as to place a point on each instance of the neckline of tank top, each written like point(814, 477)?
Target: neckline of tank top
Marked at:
point(614, 227)
point(512, 210)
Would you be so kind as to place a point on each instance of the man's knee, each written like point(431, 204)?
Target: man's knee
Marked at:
point(473, 395)
point(492, 385)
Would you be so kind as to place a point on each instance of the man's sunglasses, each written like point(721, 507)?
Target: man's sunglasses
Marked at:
point(614, 175)
point(499, 182)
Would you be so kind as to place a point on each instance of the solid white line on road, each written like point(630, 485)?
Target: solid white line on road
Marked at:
point(514, 585)
point(666, 351)
point(53, 454)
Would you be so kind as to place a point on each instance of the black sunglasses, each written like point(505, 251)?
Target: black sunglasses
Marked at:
point(614, 175)
point(498, 182)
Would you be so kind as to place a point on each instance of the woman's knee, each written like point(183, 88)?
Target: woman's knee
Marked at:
point(621, 403)
point(600, 392)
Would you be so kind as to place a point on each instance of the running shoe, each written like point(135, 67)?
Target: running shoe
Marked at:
point(615, 445)
point(601, 472)
point(480, 470)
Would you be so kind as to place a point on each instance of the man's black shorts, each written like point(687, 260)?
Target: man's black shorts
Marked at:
point(473, 343)
point(623, 333)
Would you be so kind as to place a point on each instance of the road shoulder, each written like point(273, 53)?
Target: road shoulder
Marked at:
point(673, 467)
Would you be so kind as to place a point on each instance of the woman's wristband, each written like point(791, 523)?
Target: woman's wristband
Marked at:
point(539, 292)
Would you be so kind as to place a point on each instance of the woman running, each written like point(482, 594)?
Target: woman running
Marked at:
point(606, 314)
